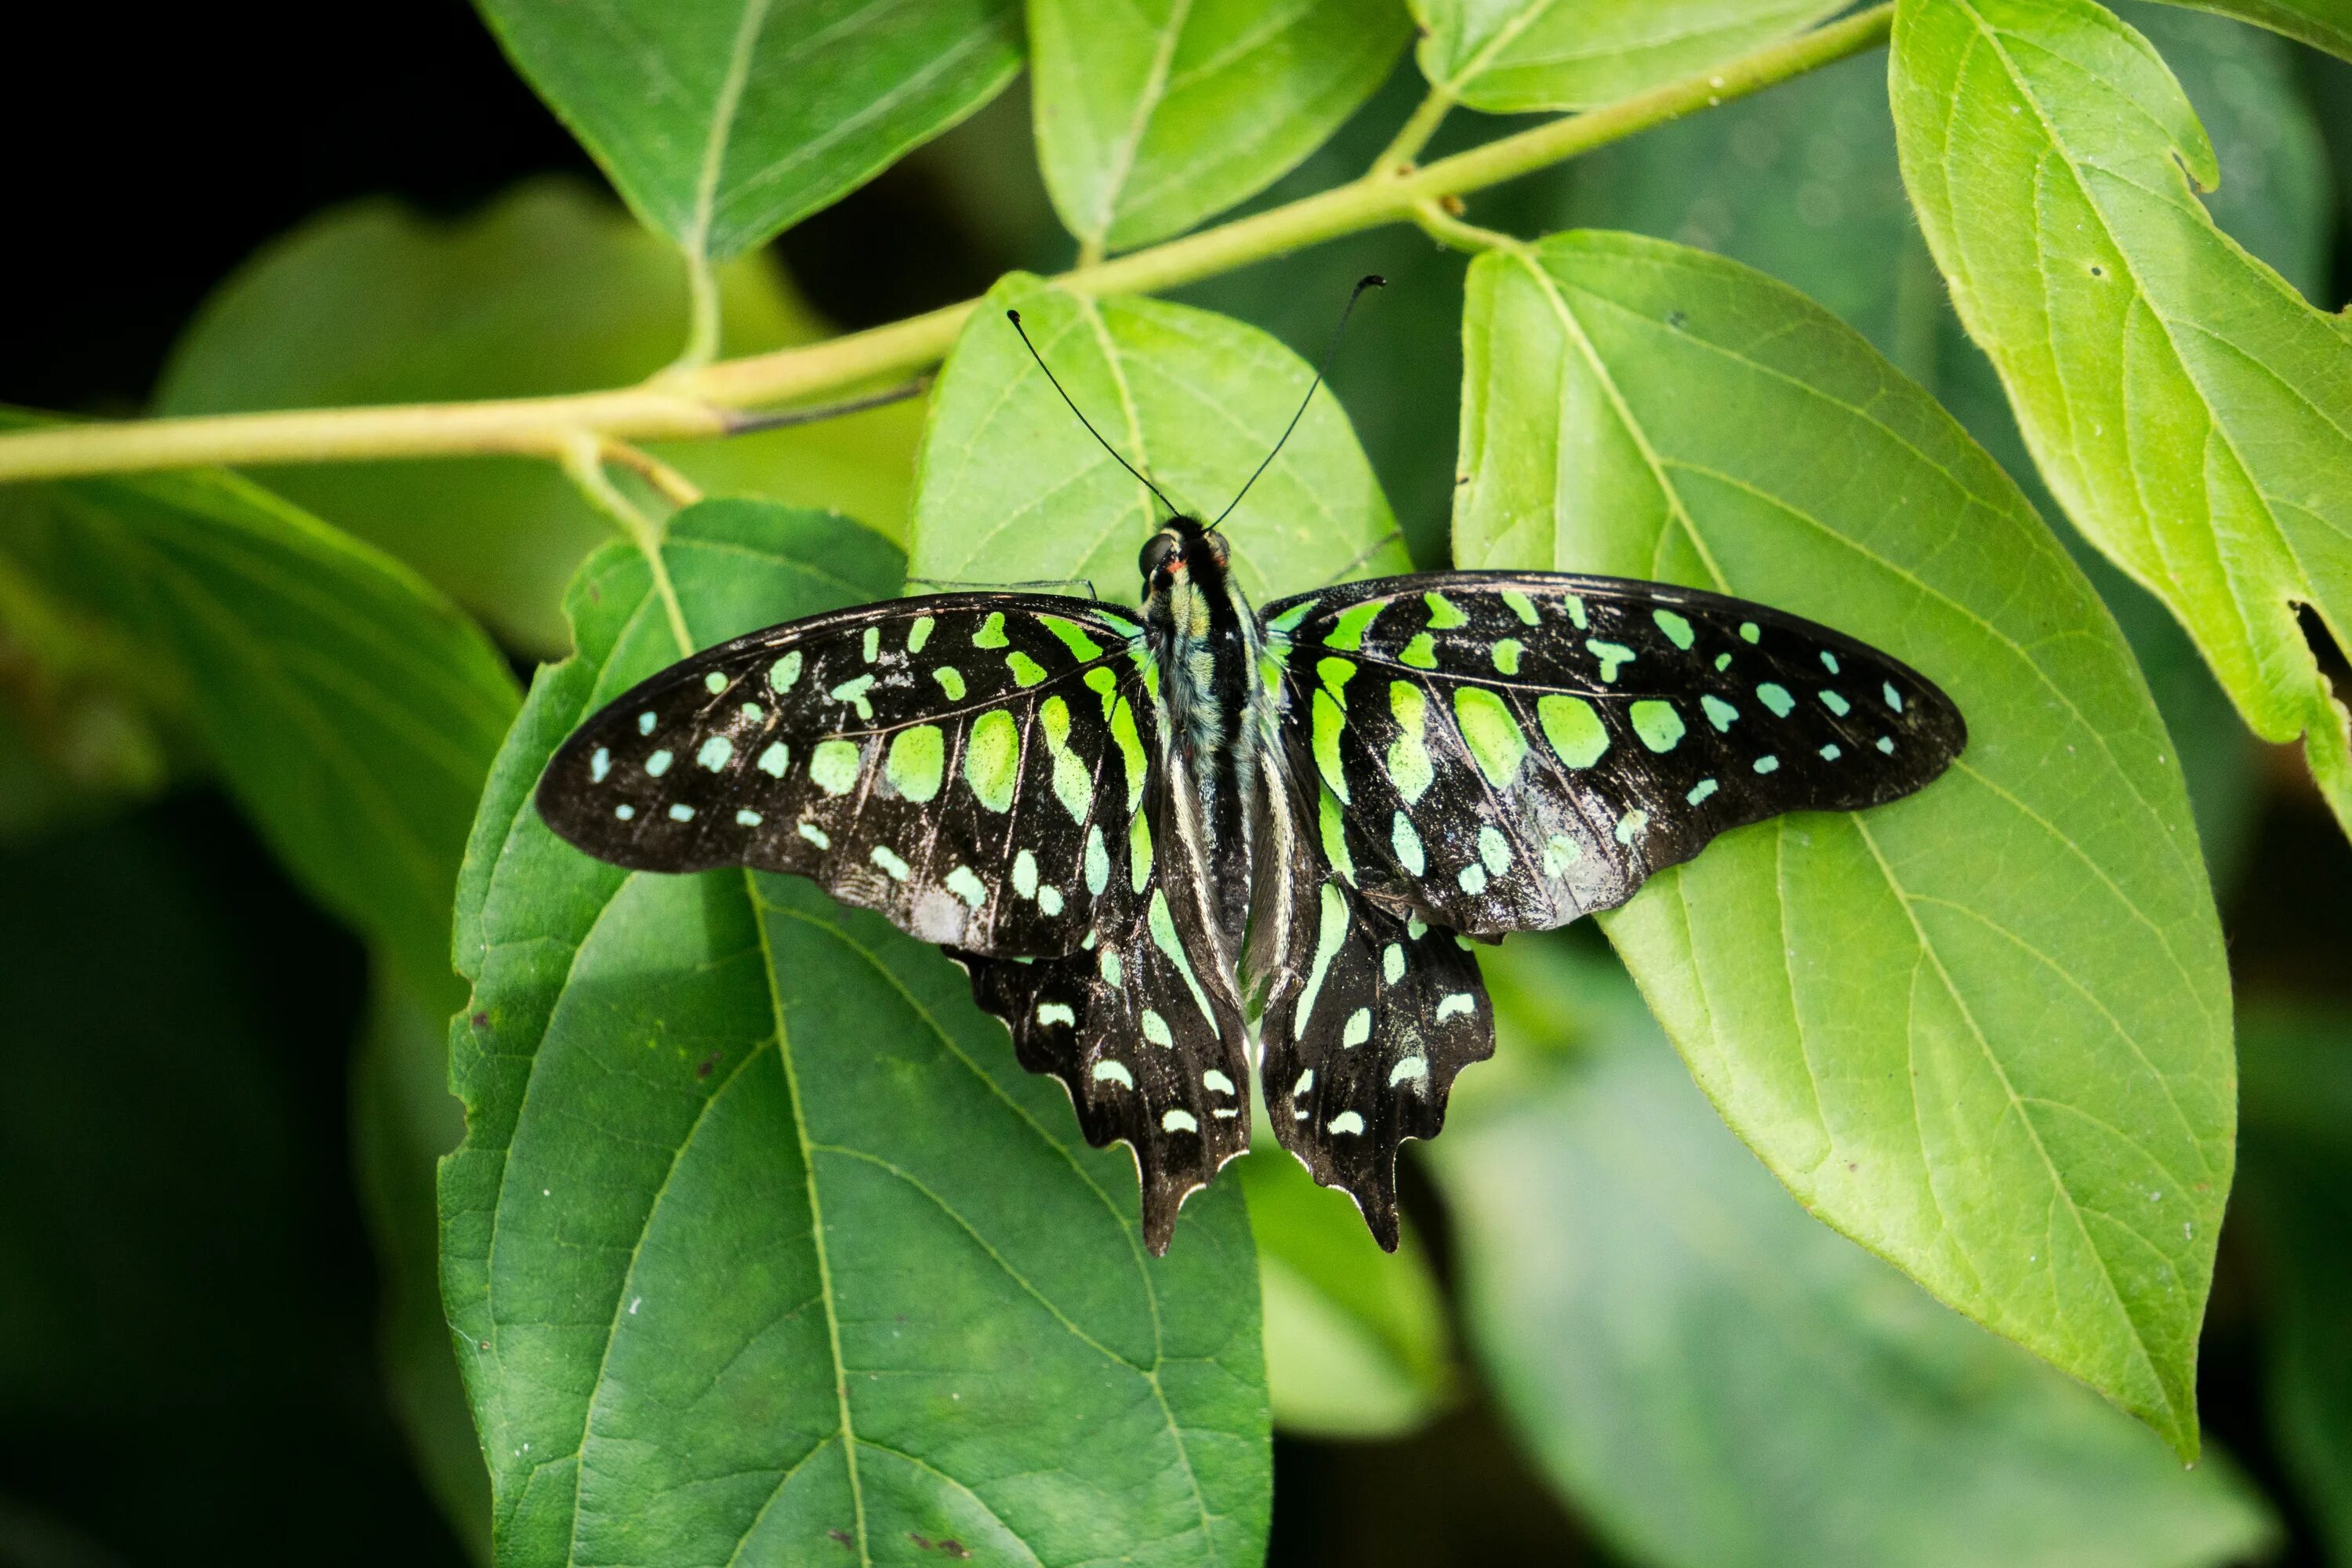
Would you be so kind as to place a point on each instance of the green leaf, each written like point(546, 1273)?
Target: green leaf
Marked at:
point(1152, 116)
point(547, 290)
point(1802, 181)
point(760, 1245)
point(404, 1119)
point(1572, 54)
point(2189, 410)
point(722, 122)
point(1010, 487)
point(2322, 24)
point(350, 708)
point(2297, 1170)
point(1984, 1031)
point(1356, 1340)
point(1716, 1380)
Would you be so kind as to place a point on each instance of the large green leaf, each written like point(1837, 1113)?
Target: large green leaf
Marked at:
point(1505, 55)
point(2298, 1187)
point(1718, 1381)
point(2322, 24)
point(721, 121)
point(1802, 181)
point(547, 290)
point(1985, 1031)
point(1154, 115)
point(2188, 409)
point(1011, 488)
point(760, 1247)
point(1356, 1340)
point(349, 707)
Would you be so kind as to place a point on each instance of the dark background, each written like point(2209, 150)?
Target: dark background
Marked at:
point(187, 1300)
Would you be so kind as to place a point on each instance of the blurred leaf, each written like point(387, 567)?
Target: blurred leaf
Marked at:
point(2297, 1184)
point(1010, 487)
point(80, 712)
point(351, 710)
point(1802, 181)
point(722, 122)
point(763, 1245)
point(1153, 116)
point(1355, 1337)
point(2188, 409)
point(1503, 54)
point(2322, 24)
point(1718, 1380)
point(183, 1360)
point(1985, 1030)
point(404, 1119)
point(547, 290)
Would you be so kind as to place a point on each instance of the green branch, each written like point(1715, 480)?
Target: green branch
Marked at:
point(690, 401)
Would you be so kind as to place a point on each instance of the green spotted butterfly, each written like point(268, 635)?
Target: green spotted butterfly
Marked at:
point(1140, 833)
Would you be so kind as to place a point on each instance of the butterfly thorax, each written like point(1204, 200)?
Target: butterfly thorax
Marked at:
point(1205, 638)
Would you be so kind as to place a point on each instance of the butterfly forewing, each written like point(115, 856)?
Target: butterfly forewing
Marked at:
point(945, 761)
point(1506, 752)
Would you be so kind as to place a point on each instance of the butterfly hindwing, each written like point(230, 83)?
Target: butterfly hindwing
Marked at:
point(1508, 751)
point(1369, 1014)
point(1141, 1024)
point(952, 762)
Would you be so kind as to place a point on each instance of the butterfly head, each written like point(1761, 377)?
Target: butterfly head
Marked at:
point(1183, 566)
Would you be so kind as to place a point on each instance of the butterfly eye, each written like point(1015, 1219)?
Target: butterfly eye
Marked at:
point(1155, 554)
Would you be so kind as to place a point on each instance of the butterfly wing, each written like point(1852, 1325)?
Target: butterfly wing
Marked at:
point(949, 762)
point(1369, 1013)
point(1141, 1024)
point(1506, 752)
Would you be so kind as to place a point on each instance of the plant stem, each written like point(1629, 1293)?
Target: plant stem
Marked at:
point(684, 404)
point(1448, 230)
point(1396, 157)
point(582, 456)
point(674, 486)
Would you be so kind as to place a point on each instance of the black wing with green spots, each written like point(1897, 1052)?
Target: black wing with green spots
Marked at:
point(1142, 1023)
point(1506, 752)
point(1443, 754)
point(949, 762)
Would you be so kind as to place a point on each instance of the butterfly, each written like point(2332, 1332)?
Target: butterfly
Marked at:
point(1142, 832)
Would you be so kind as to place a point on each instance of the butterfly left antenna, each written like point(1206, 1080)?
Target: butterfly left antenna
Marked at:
point(1370, 280)
point(1014, 317)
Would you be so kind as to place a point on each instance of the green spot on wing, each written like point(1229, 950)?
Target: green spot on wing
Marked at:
point(1574, 731)
point(1348, 632)
point(992, 760)
point(1658, 724)
point(1421, 652)
point(1329, 721)
point(1677, 630)
point(1074, 637)
point(1409, 767)
point(1490, 732)
point(917, 761)
point(991, 632)
point(833, 766)
point(1443, 613)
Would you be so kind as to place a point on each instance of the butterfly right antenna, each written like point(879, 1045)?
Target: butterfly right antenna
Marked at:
point(1014, 317)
